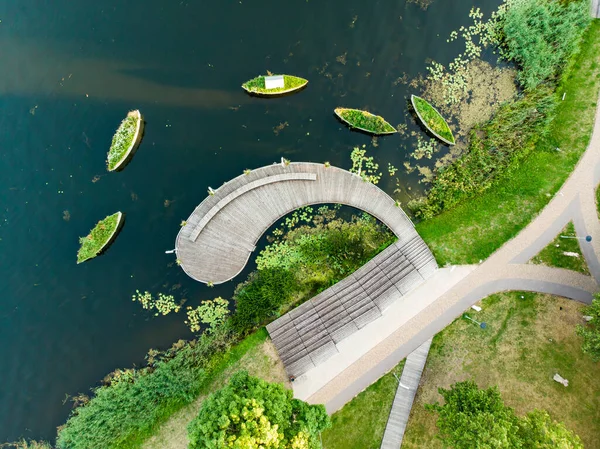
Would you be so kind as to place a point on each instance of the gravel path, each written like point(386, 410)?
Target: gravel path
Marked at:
point(506, 269)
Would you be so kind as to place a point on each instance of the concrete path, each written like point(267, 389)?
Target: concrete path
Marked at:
point(503, 270)
point(405, 396)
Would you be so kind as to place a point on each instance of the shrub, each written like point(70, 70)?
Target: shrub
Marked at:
point(305, 261)
point(591, 332)
point(124, 412)
point(252, 413)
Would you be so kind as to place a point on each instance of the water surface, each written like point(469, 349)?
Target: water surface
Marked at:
point(71, 70)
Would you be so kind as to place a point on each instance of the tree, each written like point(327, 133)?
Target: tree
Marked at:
point(472, 418)
point(250, 413)
point(537, 430)
point(591, 331)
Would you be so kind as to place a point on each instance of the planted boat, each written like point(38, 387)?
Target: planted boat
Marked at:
point(125, 141)
point(274, 85)
point(432, 119)
point(364, 121)
point(100, 237)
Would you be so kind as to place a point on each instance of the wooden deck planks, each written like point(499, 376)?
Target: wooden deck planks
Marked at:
point(405, 396)
point(244, 207)
point(315, 327)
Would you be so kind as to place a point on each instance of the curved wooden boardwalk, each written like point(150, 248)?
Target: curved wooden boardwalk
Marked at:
point(218, 238)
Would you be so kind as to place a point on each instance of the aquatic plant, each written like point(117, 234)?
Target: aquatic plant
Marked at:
point(290, 84)
point(164, 304)
point(364, 166)
point(432, 120)
point(124, 140)
point(365, 121)
point(213, 313)
point(100, 236)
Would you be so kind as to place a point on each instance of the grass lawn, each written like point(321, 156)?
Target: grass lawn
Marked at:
point(432, 119)
point(553, 255)
point(476, 228)
point(361, 423)
point(256, 354)
point(529, 338)
point(365, 120)
point(98, 237)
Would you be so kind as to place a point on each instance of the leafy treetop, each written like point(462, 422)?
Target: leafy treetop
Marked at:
point(250, 413)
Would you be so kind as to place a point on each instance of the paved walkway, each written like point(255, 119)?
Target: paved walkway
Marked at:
point(504, 270)
point(405, 396)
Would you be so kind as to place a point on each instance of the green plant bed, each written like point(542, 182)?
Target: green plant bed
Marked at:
point(100, 237)
point(365, 121)
point(291, 84)
point(125, 141)
point(432, 120)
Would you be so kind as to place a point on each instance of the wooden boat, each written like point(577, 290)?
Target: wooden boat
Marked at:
point(418, 109)
point(388, 129)
point(137, 138)
point(274, 85)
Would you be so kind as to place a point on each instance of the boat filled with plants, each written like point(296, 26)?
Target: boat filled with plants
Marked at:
point(284, 84)
point(125, 141)
point(364, 121)
point(100, 237)
point(432, 119)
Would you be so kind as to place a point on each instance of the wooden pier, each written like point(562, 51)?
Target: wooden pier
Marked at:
point(220, 235)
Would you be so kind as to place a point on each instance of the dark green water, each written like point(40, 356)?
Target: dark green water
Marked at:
point(69, 72)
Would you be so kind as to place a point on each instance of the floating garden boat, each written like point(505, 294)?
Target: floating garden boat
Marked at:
point(100, 237)
point(432, 119)
point(274, 85)
point(365, 121)
point(125, 141)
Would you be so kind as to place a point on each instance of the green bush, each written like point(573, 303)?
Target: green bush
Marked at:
point(305, 261)
point(495, 148)
point(540, 36)
point(126, 410)
point(250, 413)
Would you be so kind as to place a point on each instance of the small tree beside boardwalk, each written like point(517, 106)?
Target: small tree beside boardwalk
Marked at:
point(100, 237)
point(250, 413)
point(125, 141)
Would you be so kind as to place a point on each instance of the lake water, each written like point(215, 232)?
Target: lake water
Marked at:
point(69, 72)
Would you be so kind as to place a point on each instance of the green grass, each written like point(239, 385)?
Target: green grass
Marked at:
point(553, 254)
point(365, 120)
point(257, 85)
point(529, 338)
point(476, 228)
point(122, 140)
point(432, 119)
point(360, 423)
point(98, 237)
